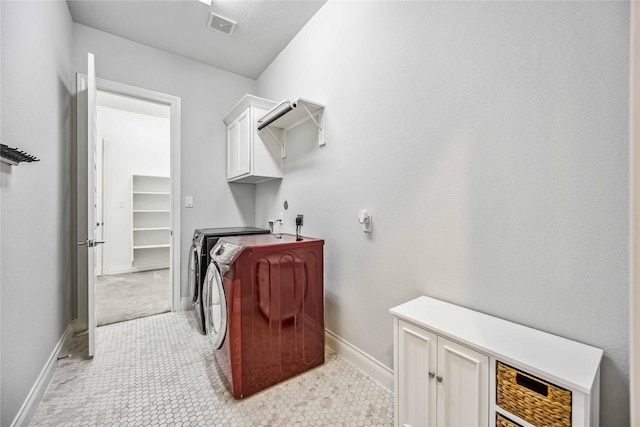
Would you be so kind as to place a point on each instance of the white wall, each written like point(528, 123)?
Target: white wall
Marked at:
point(206, 96)
point(36, 272)
point(490, 142)
point(134, 144)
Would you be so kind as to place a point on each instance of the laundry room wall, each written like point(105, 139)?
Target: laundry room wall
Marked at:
point(206, 94)
point(35, 267)
point(489, 141)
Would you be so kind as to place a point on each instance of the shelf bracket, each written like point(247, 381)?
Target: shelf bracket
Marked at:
point(320, 123)
point(287, 115)
point(280, 140)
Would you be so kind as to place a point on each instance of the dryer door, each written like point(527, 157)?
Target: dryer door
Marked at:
point(215, 306)
point(194, 273)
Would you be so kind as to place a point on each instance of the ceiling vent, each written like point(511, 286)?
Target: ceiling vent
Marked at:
point(221, 24)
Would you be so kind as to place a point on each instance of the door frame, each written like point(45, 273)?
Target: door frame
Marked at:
point(634, 195)
point(174, 103)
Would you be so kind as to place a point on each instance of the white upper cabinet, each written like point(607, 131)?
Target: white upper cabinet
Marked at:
point(250, 159)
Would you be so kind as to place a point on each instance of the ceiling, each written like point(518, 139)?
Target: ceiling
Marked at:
point(264, 28)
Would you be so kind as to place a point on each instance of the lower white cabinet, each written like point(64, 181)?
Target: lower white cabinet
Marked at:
point(439, 382)
point(458, 367)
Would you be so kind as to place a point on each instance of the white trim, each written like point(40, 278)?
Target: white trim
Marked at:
point(634, 205)
point(362, 360)
point(174, 103)
point(28, 409)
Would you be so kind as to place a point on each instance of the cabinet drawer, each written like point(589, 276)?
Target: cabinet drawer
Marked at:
point(532, 399)
point(502, 421)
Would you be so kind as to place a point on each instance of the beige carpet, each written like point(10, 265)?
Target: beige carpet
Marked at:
point(121, 297)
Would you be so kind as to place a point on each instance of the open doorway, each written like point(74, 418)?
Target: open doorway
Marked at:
point(85, 231)
point(133, 208)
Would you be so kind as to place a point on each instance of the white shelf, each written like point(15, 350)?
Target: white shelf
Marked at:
point(289, 114)
point(151, 246)
point(153, 193)
point(572, 365)
point(152, 229)
point(562, 362)
point(150, 216)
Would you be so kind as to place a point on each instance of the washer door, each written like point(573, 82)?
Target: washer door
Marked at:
point(194, 273)
point(215, 306)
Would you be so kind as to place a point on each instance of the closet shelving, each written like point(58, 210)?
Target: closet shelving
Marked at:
point(151, 231)
point(289, 114)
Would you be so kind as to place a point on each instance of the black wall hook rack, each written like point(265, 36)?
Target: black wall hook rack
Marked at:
point(13, 156)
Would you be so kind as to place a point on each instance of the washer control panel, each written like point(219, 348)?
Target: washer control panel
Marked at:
point(224, 252)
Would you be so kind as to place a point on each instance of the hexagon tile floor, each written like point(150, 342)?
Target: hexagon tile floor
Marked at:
point(158, 371)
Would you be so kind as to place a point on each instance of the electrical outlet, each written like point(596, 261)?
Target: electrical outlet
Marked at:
point(299, 220)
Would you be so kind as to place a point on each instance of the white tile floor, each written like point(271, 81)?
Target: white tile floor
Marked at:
point(158, 371)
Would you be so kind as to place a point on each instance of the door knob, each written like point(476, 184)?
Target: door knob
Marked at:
point(439, 379)
point(91, 243)
point(432, 375)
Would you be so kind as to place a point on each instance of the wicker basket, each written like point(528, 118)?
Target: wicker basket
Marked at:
point(535, 401)
point(502, 421)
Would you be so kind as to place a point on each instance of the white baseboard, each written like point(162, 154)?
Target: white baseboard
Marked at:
point(34, 397)
point(362, 360)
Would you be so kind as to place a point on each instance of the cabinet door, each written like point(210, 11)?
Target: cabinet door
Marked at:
point(239, 145)
point(463, 392)
point(416, 390)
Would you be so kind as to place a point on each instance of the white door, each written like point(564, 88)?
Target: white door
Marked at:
point(239, 146)
point(99, 210)
point(91, 205)
point(463, 386)
point(416, 371)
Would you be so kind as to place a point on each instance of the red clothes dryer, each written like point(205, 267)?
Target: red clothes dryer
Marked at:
point(264, 309)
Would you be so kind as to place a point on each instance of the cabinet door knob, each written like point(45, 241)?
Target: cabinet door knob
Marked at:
point(439, 379)
point(431, 375)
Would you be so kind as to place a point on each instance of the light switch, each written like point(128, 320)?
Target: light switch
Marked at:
point(188, 202)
